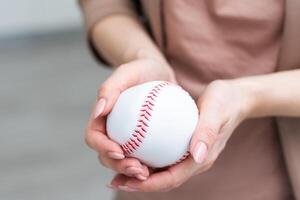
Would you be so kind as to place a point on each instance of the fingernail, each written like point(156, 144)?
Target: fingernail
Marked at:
point(126, 188)
point(99, 107)
point(199, 152)
point(141, 177)
point(133, 170)
point(111, 186)
point(115, 155)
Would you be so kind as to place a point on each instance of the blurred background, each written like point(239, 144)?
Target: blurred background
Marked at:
point(48, 83)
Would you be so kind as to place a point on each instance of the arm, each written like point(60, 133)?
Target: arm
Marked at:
point(276, 94)
point(115, 32)
point(121, 39)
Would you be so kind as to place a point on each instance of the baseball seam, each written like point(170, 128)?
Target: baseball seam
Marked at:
point(145, 114)
point(181, 159)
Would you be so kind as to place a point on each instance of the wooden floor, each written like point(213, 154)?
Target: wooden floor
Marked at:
point(47, 86)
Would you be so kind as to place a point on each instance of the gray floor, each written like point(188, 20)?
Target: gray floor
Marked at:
point(47, 86)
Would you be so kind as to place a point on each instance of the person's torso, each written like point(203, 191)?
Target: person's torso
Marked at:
point(209, 40)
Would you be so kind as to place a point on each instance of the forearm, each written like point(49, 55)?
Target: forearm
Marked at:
point(276, 94)
point(121, 39)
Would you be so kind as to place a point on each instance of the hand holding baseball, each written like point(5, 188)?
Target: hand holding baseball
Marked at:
point(223, 106)
point(125, 76)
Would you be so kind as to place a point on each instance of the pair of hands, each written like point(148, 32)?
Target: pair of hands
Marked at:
point(222, 106)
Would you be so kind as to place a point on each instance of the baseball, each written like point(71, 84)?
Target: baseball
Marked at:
point(154, 123)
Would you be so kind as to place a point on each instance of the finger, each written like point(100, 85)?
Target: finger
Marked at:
point(128, 75)
point(119, 181)
point(126, 166)
point(206, 133)
point(125, 76)
point(102, 144)
point(164, 180)
point(96, 138)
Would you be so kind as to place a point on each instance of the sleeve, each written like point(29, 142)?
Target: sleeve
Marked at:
point(96, 10)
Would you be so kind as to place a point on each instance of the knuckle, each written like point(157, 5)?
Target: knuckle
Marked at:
point(102, 89)
point(130, 162)
point(108, 163)
point(123, 165)
point(126, 163)
point(102, 161)
point(88, 140)
point(211, 134)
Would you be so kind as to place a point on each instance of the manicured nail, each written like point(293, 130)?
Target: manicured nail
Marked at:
point(100, 105)
point(126, 188)
point(199, 152)
point(133, 170)
point(141, 177)
point(115, 155)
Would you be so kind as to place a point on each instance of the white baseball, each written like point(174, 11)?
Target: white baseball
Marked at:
point(154, 123)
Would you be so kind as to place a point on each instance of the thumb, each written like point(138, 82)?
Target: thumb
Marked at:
point(123, 77)
point(205, 135)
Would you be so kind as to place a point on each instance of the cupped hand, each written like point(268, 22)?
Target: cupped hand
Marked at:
point(125, 76)
point(223, 106)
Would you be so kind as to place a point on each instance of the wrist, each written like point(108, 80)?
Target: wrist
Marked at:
point(146, 51)
point(150, 54)
point(251, 94)
point(159, 61)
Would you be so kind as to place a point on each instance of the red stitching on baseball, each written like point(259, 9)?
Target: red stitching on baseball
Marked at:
point(181, 159)
point(143, 122)
point(140, 131)
point(139, 139)
point(146, 117)
point(150, 103)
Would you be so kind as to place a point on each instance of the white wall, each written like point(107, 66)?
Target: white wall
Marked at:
point(31, 16)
